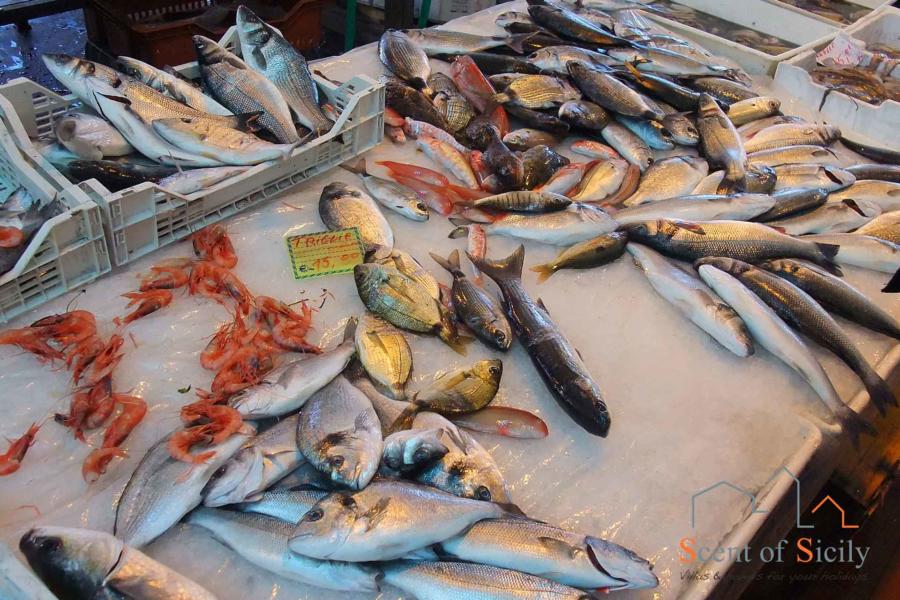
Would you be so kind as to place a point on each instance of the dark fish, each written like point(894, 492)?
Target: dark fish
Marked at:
point(665, 89)
point(555, 359)
point(592, 253)
point(609, 92)
point(540, 163)
point(721, 143)
point(30, 222)
point(538, 120)
point(724, 90)
point(876, 171)
point(584, 115)
point(117, 176)
point(405, 59)
point(413, 104)
point(793, 201)
point(503, 162)
point(571, 26)
point(492, 64)
point(479, 132)
point(883, 155)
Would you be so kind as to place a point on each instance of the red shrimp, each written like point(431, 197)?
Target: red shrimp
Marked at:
point(102, 404)
point(133, 411)
point(150, 302)
point(11, 460)
point(28, 340)
point(213, 243)
point(79, 408)
point(181, 442)
point(106, 361)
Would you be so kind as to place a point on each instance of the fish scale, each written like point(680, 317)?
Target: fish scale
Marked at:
point(404, 59)
point(537, 91)
point(151, 105)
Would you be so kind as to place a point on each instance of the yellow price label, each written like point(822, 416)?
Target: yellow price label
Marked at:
point(325, 253)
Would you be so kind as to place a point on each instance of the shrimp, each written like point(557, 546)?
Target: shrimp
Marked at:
point(30, 341)
point(224, 420)
point(95, 464)
point(102, 366)
point(67, 329)
point(82, 355)
point(11, 460)
point(11, 237)
point(150, 302)
point(164, 278)
point(181, 442)
point(220, 284)
point(289, 327)
point(133, 411)
point(246, 367)
point(102, 404)
point(219, 349)
point(79, 408)
point(213, 243)
point(290, 336)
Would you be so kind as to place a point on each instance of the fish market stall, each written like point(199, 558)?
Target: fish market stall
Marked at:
point(688, 412)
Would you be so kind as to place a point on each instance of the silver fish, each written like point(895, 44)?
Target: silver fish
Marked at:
point(286, 504)
point(667, 62)
point(197, 180)
point(342, 206)
point(682, 129)
point(227, 145)
point(575, 224)
point(390, 194)
point(441, 41)
point(885, 194)
point(631, 147)
point(885, 227)
point(394, 415)
point(584, 114)
point(753, 109)
point(555, 58)
point(90, 137)
point(668, 178)
point(862, 251)
point(653, 133)
point(803, 154)
point(537, 92)
point(405, 59)
point(339, 433)
point(607, 91)
point(832, 217)
point(827, 177)
point(721, 143)
point(750, 129)
point(170, 84)
point(525, 138)
point(413, 448)
point(793, 201)
point(739, 207)
point(792, 134)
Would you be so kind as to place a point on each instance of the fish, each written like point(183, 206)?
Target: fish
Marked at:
point(395, 196)
point(610, 93)
point(492, 64)
point(198, 180)
point(506, 166)
point(538, 119)
point(601, 181)
point(750, 129)
point(773, 334)
point(467, 470)
point(835, 295)
point(471, 82)
point(463, 390)
point(413, 269)
point(680, 97)
point(343, 206)
point(174, 86)
point(263, 541)
point(737, 207)
point(801, 311)
point(89, 137)
point(539, 164)
point(81, 563)
point(734, 239)
point(724, 90)
point(416, 129)
point(876, 171)
point(862, 251)
point(556, 360)
point(409, 450)
point(386, 520)
point(631, 147)
point(405, 59)
point(803, 154)
point(162, 489)
point(752, 109)
point(564, 180)
point(384, 353)
point(501, 80)
point(584, 115)
point(455, 109)
point(885, 194)
point(505, 421)
point(229, 146)
point(721, 144)
point(694, 300)
point(265, 50)
point(27, 223)
point(449, 158)
point(339, 433)
point(666, 62)
point(413, 104)
point(286, 504)
point(513, 18)
point(475, 307)
point(682, 129)
point(242, 89)
point(569, 25)
point(553, 59)
point(574, 559)
point(792, 134)
point(117, 176)
point(525, 138)
point(880, 154)
point(885, 227)
point(832, 217)
point(591, 253)
point(653, 133)
point(394, 415)
point(442, 83)
point(537, 92)
point(668, 178)
point(576, 223)
point(759, 179)
point(439, 41)
point(527, 201)
point(827, 177)
point(445, 580)
point(593, 149)
point(789, 202)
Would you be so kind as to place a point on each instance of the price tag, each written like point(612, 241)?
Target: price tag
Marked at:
point(842, 51)
point(325, 253)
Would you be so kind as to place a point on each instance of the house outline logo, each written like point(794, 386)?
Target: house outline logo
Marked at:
point(754, 503)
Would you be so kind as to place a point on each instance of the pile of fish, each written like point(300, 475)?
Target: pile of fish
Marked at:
point(146, 124)
point(21, 216)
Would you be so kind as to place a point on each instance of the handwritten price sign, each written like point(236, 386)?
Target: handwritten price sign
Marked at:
point(325, 253)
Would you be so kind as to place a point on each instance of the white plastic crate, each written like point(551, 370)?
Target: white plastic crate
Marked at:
point(870, 4)
point(68, 250)
point(759, 15)
point(146, 217)
point(858, 120)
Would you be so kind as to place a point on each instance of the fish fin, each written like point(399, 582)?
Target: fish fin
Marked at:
point(350, 328)
point(119, 99)
point(544, 272)
point(854, 424)
point(458, 221)
point(556, 545)
point(515, 41)
point(828, 252)
point(512, 509)
point(497, 99)
point(458, 343)
point(460, 232)
point(507, 268)
point(893, 286)
point(376, 513)
point(443, 262)
point(454, 259)
point(632, 67)
point(851, 203)
point(359, 167)
point(540, 303)
point(249, 121)
point(694, 228)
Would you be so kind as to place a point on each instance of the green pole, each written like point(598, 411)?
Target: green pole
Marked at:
point(423, 13)
point(350, 26)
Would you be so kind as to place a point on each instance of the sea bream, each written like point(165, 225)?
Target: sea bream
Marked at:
point(342, 206)
point(405, 59)
point(384, 353)
point(668, 178)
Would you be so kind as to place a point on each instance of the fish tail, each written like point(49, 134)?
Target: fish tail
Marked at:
point(446, 263)
point(544, 272)
point(350, 328)
point(879, 391)
point(827, 253)
point(497, 99)
point(458, 343)
point(358, 167)
point(893, 286)
point(854, 424)
point(498, 270)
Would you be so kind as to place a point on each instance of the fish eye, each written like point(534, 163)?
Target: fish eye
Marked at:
point(313, 515)
point(50, 544)
point(500, 336)
point(420, 206)
point(482, 493)
point(421, 454)
point(494, 370)
point(336, 461)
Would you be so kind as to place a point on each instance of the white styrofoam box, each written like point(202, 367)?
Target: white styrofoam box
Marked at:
point(870, 4)
point(758, 15)
point(146, 217)
point(858, 120)
point(68, 250)
point(443, 10)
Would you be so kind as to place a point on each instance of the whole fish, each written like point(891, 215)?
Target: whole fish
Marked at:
point(565, 180)
point(593, 149)
point(413, 269)
point(553, 59)
point(536, 92)
point(390, 194)
point(441, 82)
point(439, 41)
point(877, 172)
point(862, 251)
point(455, 109)
point(835, 295)
point(384, 353)
point(116, 176)
point(827, 177)
point(832, 217)
point(607, 91)
point(750, 129)
point(266, 458)
point(721, 143)
point(342, 206)
point(538, 119)
point(78, 75)
point(163, 489)
point(539, 164)
point(790, 202)
point(80, 563)
point(445, 580)
point(394, 415)
point(265, 49)
point(197, 180)
point(666, 62)
point(286, 388)
point(792, 134)
point(525, 138)
point(263, 541)
point(569, 25)
point(242, 89)
point(471, 82)
point(475, 307)
point(753, 109)
point(544, 550)
point(631, 147)
point(501, 80)
point(413, 104)
point(770, 332)
point(885, 227)
point(758, 180)
point(229, 146)
point(339, 433)
point(738, 207)
point(491, 63)
point(416, 129)
point(877, 153)
point(90, 137)
point(172, 85)
point(467, 470)
point(463, 390)
point(557, 362)
point(506, 166)
point(694, 300)
point(734, 239)
point(800, 310)
point(286, 504)
point(451, 159)
point(527, 201)
point(885, 194)
point(411, 449)
point(600, 181)
point(668, 178)
point(724, 90)
point(27, 223)
point(682, 129)
point(576, 223)
point(505, 421)
point(653, 133)
point(592, 253)
point(405, 59)
point(386, 520)
point(804, 154)
point(584, 115)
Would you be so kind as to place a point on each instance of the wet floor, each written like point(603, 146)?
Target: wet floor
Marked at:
point(20, 51)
